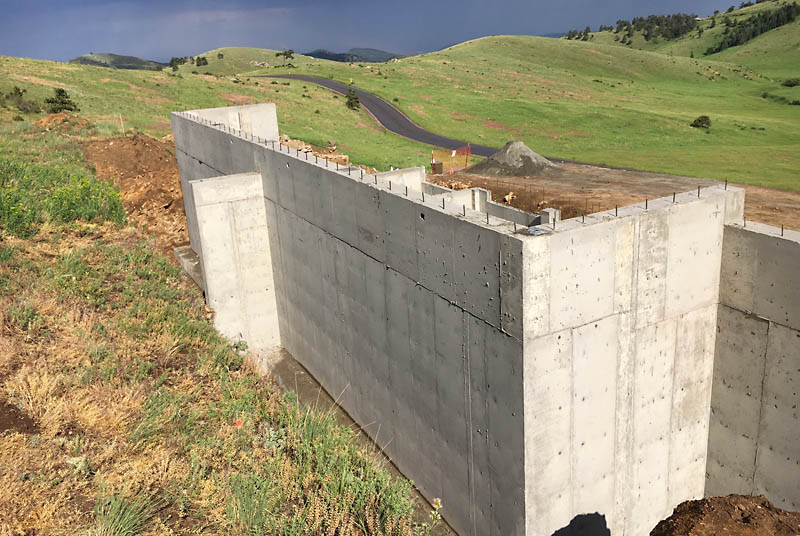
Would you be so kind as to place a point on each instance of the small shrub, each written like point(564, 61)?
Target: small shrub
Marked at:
point(60, 102)
point(352, 99)
point(19, 118)
point(702, 122)
point(791, 82)
point(17, 98)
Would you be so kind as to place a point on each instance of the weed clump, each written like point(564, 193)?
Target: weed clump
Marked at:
point(702, 122)
point(31, 195)
point(791, 82)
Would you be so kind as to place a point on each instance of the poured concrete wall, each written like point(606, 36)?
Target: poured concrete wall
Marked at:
point(534, 382)
point(398, 308)
point(406, 312)
point(754, 442)
point(202, 152)
point(236, 260)
point(618, 356)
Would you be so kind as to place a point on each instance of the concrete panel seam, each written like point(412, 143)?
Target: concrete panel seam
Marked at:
point(672, 409)
point(468, 411)
point(221, 173)
point(760, 408)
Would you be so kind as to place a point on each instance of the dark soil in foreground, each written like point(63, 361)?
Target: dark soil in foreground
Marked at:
point(734, 515)
point(11, 418)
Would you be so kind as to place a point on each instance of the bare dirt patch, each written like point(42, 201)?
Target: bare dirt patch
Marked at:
point(238, 99)
point(733, 515)
point(580, 187)
point(14, 420)
point(146, 172)
point(41, 81)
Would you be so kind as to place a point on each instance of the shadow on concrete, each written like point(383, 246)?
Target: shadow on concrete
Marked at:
point(585, 525)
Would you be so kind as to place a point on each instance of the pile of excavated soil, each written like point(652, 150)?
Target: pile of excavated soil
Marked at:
point(146, 173)
point(66, 123)
point(733, 515)
point(513, 160)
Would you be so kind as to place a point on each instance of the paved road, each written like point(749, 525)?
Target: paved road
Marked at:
point(396, 121)
point(390, 117)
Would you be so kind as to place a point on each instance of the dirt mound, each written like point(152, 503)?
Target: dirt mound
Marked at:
point(513, 160)
point(734, 515)
point(66, 123)
point(146, 173)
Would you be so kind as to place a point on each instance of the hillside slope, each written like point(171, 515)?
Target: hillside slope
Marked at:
point(236, 60)
point(594, 103)
point(120, 100)
point(115, 61)
point(775, 53)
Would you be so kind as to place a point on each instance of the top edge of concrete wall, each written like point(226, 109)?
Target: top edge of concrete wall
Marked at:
point(382, 181)
point(770, 230)
point(734, 207)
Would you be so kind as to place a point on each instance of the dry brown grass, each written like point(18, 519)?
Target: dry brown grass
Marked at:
point(107, 347)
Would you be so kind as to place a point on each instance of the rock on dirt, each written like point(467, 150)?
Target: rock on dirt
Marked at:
point(733, 515)
point(513, 160)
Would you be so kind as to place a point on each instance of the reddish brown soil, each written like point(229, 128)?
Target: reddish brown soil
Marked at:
point(11, 418)
point(576, 188)
point(146, 173)
point(66, 123)
point(734, 515)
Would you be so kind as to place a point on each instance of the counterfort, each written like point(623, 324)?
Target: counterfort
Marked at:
point(532, 373)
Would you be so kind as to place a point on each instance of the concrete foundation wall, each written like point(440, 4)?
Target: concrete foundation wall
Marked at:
point(618, 357)
point(754, 446)
point(399, 309)
point(533, 380)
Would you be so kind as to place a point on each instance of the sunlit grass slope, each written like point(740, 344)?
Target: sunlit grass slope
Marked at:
point(596, 103)
point(237, 60)
point(118, 100)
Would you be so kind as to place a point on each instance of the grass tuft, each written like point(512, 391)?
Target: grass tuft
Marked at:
point(117, 516)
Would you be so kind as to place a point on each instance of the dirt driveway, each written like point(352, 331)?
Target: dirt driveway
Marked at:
point(578, 187)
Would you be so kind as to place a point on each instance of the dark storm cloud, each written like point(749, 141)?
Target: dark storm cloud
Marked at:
point(159, 29)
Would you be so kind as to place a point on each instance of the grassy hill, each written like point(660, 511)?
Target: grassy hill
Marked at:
point(116, 61)
point(355, 55)
point(597, 103)
point(236, 60)
point(774, 54)
point(143, 100)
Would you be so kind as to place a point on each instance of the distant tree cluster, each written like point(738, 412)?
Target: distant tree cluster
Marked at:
point(585, 35)
point(200, 61)
point(742, 31)
point(666, 26)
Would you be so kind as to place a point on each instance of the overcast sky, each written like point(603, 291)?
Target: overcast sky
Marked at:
point(160, 29)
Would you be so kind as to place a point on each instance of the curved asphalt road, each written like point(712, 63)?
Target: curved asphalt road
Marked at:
point(390, 117)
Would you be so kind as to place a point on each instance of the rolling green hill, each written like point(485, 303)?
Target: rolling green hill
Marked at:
point(596, 103)
point(236, 60)
point(774, 54)
point(143, 100)
point(116, 61)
